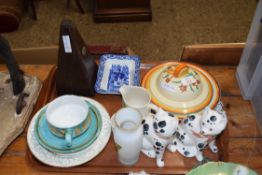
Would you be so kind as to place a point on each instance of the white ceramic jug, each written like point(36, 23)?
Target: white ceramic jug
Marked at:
point(128, 135)
point(136, 97)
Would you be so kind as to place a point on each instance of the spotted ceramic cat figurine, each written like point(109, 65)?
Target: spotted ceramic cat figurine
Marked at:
point(158, 129)
point(197, 131)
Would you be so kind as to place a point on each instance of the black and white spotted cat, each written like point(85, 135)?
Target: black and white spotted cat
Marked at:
point(196, 131)
point(158, 129)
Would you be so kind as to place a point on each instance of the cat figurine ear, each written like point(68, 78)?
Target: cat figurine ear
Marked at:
point(206, 111)
point(76, 68)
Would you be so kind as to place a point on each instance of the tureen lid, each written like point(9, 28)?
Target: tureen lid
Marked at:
point(181, 87)
point(180, 82)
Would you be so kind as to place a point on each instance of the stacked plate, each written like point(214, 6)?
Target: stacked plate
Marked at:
point(51, 149)
point(181, 88)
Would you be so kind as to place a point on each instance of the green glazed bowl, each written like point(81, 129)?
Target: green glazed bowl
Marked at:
point(221, 168)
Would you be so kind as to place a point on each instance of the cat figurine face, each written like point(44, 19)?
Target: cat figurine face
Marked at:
point(165, 123)
point(212, 122)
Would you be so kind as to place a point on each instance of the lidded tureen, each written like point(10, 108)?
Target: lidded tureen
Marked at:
point(181, 88)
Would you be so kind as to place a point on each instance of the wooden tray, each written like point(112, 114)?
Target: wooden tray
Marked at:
point(106, 161)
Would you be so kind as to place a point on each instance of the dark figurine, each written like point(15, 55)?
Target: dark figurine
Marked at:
point(76, 68)
point(16, 74)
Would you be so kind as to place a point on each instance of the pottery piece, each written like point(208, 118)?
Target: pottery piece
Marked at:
point(115, 71)
point(158, 129)
point(58, 144)
point(222, 168)
point(70, 160)
point(137, 98)
point(67, 116)
point(180, 82)
point(194, 81)
point(128, 134)
point(197, 131)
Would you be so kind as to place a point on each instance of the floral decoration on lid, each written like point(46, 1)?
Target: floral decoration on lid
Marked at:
point(180, 82)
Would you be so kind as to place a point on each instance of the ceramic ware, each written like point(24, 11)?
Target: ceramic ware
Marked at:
point(137, 98)
point(67, 116)
point(180, 82)
point(57, 144)
point(197, 131)
point(115, 71)
point(221, 168)
point(194, 81)
point(128, 135)
point(158, 130)
point(70, 160)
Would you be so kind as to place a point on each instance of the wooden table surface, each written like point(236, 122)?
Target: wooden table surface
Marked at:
point(242, 137)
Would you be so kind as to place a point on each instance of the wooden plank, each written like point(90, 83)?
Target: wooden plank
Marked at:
point(213, 54)
point(235, 105)
point(246, 151)
point(243, 126)
point(241, 118)
point(226, 78)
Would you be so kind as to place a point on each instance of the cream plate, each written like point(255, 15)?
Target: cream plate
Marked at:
point(210, 97)
point(74, 159)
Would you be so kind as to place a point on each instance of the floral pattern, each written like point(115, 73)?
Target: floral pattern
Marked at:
point(183, 88)
point(189, 82)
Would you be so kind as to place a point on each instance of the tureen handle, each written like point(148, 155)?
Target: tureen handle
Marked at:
point(179, 69)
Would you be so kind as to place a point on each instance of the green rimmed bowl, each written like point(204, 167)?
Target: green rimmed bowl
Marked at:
point(221, 168)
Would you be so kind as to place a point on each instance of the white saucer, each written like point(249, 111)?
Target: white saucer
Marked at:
point(74, 159)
